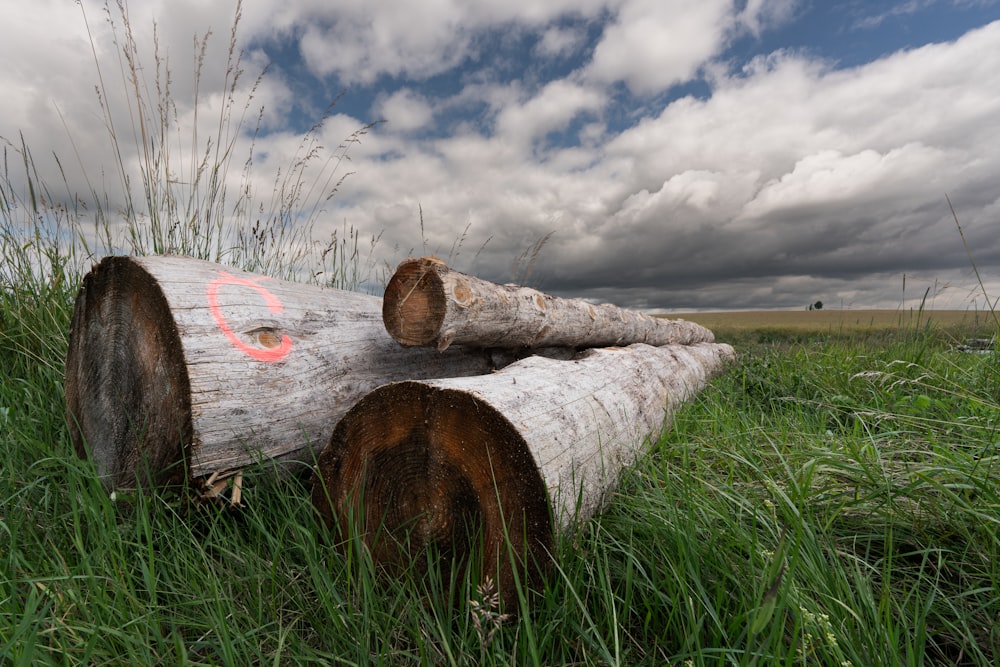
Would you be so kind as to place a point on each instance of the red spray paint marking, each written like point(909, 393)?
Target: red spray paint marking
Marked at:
point(273, 304)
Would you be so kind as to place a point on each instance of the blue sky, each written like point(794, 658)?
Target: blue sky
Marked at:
point(842, 34)
point(662, 154)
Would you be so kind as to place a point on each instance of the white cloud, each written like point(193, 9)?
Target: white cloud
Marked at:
point(558, 103)
point(827, 179)
point(408, 41)
point(653, 45)
point(759, 15)
point(405, 111)
point(789, 108)
point(359, 41)
point(558, 41)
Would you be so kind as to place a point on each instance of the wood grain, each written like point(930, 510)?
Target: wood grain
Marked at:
point(179, 368)
point(501, 461)
point(428, 304)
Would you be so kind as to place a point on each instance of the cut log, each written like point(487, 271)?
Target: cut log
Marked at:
point(179, 369)
point(504, 459)
point(428, 304)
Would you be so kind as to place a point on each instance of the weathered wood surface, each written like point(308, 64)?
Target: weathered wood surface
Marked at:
point(179, 368)
point(516, 455)
point(428, 304)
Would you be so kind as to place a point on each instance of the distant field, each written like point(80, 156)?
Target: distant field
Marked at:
point(838, 320)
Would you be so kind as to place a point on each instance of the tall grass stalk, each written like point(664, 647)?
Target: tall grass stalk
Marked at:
point(990, 304)
point(177, 189)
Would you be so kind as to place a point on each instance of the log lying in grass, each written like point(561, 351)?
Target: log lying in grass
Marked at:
point(516, 455)
point(428, 304)
point(179, 369)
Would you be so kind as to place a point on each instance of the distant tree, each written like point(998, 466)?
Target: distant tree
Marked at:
point(818, 305)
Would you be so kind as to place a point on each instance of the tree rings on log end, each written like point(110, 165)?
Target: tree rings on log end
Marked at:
point(128, 399)
point(415, 305)
point(418, 470)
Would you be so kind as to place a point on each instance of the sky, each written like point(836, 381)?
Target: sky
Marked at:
point(664, 155)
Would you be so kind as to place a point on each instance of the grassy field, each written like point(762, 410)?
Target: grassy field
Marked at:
point(831, 500)
point(836, 321)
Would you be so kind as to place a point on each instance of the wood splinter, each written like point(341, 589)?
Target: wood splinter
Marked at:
point(214, 488)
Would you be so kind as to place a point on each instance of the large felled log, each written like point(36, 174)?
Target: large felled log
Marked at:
point(428, 304)
point(509, 457)
point(179, 369)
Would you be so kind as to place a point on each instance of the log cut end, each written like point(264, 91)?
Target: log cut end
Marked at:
point(127, 391)
point(416, 470)
point(415, 304)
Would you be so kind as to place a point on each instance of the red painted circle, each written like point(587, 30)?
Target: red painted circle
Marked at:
point(273, 304)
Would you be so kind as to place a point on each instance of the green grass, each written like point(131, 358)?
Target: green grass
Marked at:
point(833, 499)
point(825, 502)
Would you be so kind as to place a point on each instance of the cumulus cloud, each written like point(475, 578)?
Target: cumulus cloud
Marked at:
point(789, 174)
point(551, 109)
point(759, 15)
point(557, 41)
point(358, 41)
point(652, 45)
point(407, 42)
point(405, 111)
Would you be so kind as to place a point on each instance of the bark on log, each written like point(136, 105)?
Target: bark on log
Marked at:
point(179, 369)
point(459, 464)
point(428, 304)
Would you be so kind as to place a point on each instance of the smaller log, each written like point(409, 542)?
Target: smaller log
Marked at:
point(428, 304)
point(473, 466)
